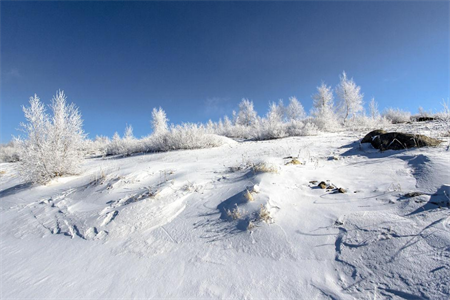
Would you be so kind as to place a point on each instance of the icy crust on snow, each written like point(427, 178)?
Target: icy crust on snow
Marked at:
point(240, 221)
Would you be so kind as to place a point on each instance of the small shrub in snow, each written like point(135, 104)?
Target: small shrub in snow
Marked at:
point(250, 225)
point(234, 213)
point(298, 128)
point(293, 161)
point(249, 196)
point(98, 146)
point(9, 152)
point(265, 167)
point(126, 145)
point(363, 122)
point(53, 145)
point(396, 116)
point(240, 131)
point(271, 127)
point(295, 128)
point(184, 136)
point(264, 214)
point(310, 129)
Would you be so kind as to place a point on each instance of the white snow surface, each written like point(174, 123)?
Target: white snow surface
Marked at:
point(161, 225)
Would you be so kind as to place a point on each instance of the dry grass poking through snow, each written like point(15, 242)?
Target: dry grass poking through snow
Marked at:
point(249, 196)
point(264, 214)
point(234, 213)
point(265, 167)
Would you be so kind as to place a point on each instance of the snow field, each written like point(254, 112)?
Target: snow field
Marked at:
point(162, 225)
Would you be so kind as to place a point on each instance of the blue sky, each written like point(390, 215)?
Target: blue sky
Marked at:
point(197, 60)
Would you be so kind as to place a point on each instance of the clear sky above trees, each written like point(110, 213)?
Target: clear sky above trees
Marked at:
point(118, 60)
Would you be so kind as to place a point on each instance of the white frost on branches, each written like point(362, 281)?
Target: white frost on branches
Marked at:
point(295, 110)
point(53, 144)
point(159, 121)
point(351, 98)
point(247, 115)
point(323, 111)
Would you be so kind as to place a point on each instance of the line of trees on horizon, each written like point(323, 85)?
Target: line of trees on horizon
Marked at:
point(55, 144)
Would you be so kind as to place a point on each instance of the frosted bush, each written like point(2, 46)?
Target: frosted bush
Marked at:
point(310, 129)
point(363, 122)
point(295, 128)
point(266, 166)
point(397, 115)
point(264, 214)
point(298, 128)
point(443, 119)
point(272, 126)
point(185, 136)
point(53, 145)
point(98, 146)
point(240, 132)
point(9, 152)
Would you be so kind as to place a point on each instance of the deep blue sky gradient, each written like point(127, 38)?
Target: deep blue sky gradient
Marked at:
point(118, 60)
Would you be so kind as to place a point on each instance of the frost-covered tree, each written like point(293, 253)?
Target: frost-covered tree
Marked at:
point(273, 123)
point(210, 126)
point(324, 97)
point(220, 128)
point(227, 126)
point(396, 116)
point(128, 135)
point(351, 99)
point(281, 110)
point(234, 117)
point(116, 137)
point(247, 115)
point(53, 146)
point(323, 111)
point(159, 121)
point(295, 110)
point(373, 110)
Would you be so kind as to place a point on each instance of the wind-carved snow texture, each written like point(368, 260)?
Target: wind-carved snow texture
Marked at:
point(389, 255)
point(63, 214)
point(237, 222)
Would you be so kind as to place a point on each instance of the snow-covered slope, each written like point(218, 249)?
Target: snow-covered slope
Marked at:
point(179, 224)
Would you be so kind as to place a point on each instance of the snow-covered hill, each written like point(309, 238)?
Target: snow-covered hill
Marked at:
point(240, 221)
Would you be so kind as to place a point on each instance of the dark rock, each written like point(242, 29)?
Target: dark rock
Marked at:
point(322, 185)
point(413, 194)
point(341, 190)
point(369, 137)
point(399, 141)
point(425, 119)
